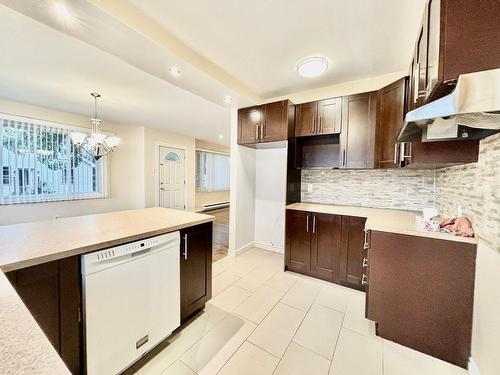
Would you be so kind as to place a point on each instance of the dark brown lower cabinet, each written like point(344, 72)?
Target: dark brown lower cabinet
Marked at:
point(420, 293)
point(325, 246)
point(51, 292)
point(196, 269)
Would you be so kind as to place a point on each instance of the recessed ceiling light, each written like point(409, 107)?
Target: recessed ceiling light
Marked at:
point(312, 66)
point(228, 99)
point(174, 71)
point(62, 10)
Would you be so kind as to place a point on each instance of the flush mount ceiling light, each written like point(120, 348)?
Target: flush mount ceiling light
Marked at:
point(174, 71)
point(312, 67)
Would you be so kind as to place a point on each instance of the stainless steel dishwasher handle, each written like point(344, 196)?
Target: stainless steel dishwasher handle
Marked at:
point(185, 253)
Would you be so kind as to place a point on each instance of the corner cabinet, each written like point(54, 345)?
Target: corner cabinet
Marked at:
point(420, 287)
point(269, 122)
point(325, 246)
point(195, 269)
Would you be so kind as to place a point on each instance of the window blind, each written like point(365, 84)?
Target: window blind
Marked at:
point(212, 171)
point(40, 163)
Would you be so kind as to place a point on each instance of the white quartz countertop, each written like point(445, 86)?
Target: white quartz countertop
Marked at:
point(29, 244)
point(379, 219)
point(24, 349)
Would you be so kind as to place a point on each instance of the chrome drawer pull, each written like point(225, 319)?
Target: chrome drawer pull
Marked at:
point(365, 244)
point(365, 262)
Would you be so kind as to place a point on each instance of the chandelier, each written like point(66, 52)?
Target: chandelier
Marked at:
point(96, 144)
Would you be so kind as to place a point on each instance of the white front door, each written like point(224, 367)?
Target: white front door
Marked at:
point(172, 192)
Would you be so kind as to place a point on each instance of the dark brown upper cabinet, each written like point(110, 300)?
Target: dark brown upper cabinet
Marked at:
point(456, 37)
point(269, 122)
point(357, 138)
point(390, 117)
point(318, 118)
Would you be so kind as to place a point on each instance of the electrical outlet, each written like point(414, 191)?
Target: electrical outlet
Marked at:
point(309, 188)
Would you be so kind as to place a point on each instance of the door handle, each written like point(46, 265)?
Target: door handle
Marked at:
point(185, 253)
point(307, 223)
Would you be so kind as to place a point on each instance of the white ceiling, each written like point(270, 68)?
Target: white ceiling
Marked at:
point(260, 41)
point(42, 66)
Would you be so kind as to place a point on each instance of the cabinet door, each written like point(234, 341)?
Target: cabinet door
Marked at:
point(421, 66)
point(249, 123)
point(390, 117)
point(421, 288)
point(326, 246)
point(330, 116)
point(433, 46)
point(276, 121)
point(358, 131)
point(298, 241)
point(306, 115)
point(351, 263)
point(196, 269)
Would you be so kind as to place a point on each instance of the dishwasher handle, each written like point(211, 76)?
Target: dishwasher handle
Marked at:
point(185, 253)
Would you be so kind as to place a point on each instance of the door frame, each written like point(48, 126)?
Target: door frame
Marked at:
point(157, 171)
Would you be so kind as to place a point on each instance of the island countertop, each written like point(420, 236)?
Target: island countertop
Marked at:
point(380, 219)
point(29, 244)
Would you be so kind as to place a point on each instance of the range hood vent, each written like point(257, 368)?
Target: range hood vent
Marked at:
point(471, 111)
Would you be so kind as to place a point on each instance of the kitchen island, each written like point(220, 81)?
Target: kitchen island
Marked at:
point(42, 262)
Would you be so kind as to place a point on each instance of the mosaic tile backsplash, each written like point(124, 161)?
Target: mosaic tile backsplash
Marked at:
point(474, 187)
point(380, 188)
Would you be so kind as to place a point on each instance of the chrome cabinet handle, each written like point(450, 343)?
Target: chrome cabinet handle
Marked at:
point(313, 125)
point(262, 131)
point(344, 162)
point(396, 153)
point(365, 262)
point(320, 125)
point(365, 244)
point(307, 223)
point(257, 132)
point(185, 247)
point(314, 224)
point(363, 280)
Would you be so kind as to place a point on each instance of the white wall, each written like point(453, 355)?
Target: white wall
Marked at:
point(242, 198)
point(126, 172)
point(486, 327)
point(270, 198)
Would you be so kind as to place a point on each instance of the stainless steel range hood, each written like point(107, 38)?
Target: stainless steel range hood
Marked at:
point(471, 111)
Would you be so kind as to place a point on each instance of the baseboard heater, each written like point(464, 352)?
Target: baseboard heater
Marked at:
point(214, 206)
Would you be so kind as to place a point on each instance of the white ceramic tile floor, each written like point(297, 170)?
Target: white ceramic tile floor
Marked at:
point(266, 321)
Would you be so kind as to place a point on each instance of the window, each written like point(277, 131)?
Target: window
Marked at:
point(212, 171)
point(5, 175)
point(39, 163)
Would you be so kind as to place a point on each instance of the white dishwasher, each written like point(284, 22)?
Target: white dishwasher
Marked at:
point(131, 301)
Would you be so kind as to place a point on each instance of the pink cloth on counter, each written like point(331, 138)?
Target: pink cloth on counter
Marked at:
point(459, 226)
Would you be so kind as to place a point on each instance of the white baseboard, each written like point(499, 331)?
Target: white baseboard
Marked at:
point(473, 369)
point(241, 250)
point(266, 246)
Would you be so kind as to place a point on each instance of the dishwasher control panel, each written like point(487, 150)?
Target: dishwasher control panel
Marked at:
point(97, 260)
